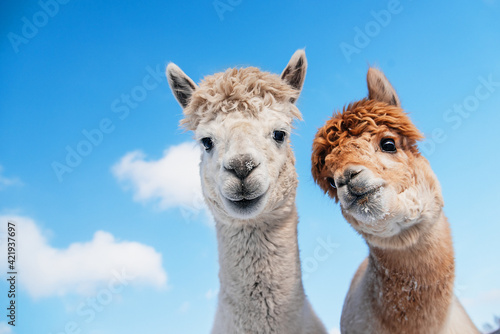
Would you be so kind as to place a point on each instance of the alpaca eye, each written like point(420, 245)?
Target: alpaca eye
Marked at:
point(279, 136)
point(388, 145)
point(332, 182)
point(208, 143)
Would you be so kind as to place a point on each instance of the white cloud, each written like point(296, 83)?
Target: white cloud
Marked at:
point(5, 181)
point(5, 328)
point(82, 267)
point(334, 331)
point(173, 180)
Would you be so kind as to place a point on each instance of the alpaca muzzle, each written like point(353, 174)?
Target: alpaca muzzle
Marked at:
point(355, 185)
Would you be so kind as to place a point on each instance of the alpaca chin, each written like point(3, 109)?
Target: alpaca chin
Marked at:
point(384, 220)
point(370, 212)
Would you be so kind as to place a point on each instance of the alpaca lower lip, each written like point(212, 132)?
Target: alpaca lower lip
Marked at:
point(245, 203)
point(361, 198)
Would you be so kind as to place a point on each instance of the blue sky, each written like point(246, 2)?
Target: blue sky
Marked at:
point(79, 70)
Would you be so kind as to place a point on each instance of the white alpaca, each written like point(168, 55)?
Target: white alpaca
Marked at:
point(367, 158)
point(242, 119)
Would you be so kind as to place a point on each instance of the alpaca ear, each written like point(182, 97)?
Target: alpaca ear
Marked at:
point(181, 85)
point(295, 72)
point(380, 89)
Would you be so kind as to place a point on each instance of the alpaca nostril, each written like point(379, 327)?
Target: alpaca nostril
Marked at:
point(355, 173)
point(356, 185)
point(347, 176)
point(241, 166)
point(350, 174)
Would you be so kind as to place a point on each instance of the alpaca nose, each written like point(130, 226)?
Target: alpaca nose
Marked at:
point(347, 176)
point(241, 166)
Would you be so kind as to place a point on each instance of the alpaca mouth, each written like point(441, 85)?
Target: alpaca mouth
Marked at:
point(359, 199)
point(246, 203)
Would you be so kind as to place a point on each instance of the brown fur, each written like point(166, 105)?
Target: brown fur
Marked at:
point(406, 283)
point(413, 288)
point(361, 117)
point(240, 110)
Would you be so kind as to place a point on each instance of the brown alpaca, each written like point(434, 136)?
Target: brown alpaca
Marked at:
point(367, 158)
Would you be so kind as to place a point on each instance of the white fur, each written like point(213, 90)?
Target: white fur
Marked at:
point(260, 276)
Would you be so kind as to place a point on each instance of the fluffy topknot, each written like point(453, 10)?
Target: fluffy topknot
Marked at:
point(236, 89)
point(357, 118)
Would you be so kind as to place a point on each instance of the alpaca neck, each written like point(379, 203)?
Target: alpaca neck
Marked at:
point(260, 276)
point(412, 288)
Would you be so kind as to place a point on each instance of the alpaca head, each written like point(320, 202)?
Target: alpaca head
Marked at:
point(367, 158)
point(242, 119)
